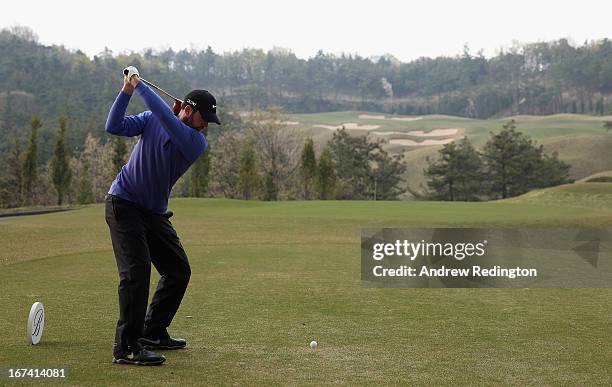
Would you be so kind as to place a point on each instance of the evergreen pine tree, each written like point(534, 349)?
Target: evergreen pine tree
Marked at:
point(200, 176)
point(85, 194)
point(28, 170)
point(326, 179)
point(119, 153)
point(60, 163)
point(308, 169)
point(248, 178)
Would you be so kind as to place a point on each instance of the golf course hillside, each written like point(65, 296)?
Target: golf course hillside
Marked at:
point(580, 140)
point(270, 277)
point(605, 175)
point(591, 195)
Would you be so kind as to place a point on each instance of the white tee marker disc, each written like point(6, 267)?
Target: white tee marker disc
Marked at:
point(36, 323)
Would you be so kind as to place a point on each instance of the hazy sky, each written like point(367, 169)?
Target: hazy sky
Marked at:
point(405, 29)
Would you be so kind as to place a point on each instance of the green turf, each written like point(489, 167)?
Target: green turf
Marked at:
point(270, 277)
point(592, 195)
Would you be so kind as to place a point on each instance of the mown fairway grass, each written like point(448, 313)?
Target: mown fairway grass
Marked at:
point(269, 277)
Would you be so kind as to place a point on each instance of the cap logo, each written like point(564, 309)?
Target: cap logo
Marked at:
point(191, 102)
point(214, 106)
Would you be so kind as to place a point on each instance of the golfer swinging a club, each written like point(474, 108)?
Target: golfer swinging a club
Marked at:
point(138, 217)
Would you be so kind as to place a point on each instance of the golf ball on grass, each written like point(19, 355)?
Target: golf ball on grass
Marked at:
point(313, 344)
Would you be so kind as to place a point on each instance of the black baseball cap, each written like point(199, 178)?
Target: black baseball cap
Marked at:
point(205, 103)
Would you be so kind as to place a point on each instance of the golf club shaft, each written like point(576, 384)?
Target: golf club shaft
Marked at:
point(160, 89)
point(125, 72)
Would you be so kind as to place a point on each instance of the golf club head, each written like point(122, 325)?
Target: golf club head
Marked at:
point(176, 107)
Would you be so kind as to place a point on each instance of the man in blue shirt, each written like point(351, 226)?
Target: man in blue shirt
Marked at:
point(138, 217)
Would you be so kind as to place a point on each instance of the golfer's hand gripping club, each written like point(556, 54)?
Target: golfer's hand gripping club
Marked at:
point(130, 71)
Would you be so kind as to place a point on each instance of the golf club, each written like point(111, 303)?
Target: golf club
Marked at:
point(176, 107)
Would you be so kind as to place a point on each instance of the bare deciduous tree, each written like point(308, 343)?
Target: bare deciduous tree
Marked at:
point(278, 151)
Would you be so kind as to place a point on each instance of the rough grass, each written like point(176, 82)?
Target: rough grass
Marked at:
point(270, 277)
point(587, 154)
point(587, 195)
point(603, 174)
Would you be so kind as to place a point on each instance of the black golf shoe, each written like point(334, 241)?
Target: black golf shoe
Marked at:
point(140, 357)
point(163, 341)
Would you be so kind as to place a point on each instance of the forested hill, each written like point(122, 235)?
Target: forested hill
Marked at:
point(539, 78)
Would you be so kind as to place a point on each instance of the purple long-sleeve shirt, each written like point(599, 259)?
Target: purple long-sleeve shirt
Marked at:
point(166, 149)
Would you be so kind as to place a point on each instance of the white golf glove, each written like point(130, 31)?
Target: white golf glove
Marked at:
point(129, 71)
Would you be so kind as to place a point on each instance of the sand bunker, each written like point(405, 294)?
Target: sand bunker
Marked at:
point(349, 126)
point(369, 117)
point(386, 133)
point(406, 118)
point(434, 133)
point(291, 123)
point(420, 133)
point(422, 143)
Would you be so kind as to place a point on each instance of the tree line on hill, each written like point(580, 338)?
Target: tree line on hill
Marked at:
point(264, 159)
point(260, 159)
point(49, 160)
point(539, 78)
point(509, 164)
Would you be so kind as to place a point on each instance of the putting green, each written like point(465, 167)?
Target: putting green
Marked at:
point(270, 277)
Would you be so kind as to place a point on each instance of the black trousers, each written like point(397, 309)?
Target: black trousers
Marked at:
point(141, 237)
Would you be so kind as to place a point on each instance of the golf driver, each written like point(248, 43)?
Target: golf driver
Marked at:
point(176, 107)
